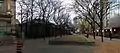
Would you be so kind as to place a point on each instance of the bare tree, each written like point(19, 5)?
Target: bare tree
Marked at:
point(83, 8)
point(45, 11)
point(93, 11)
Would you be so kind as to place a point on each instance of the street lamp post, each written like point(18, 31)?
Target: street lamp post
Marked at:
point(110, 34)
point(114, 29)
point(103, 32)
point(97, 32)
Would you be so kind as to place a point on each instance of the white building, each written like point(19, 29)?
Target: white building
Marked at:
point(7, 16)
point(7, 19)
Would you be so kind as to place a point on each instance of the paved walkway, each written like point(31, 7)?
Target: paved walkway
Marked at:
point(41, 46)
point(108, 46)
point(7, 49)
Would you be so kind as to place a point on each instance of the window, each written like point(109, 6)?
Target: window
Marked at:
point(1, 2)
point(3, 28)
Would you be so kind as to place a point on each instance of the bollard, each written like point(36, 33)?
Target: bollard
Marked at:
point(18, 46)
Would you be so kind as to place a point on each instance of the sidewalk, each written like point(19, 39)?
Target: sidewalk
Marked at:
point(108, 46)
point(6, 40)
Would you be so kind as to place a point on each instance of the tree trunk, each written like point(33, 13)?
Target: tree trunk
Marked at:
point(101, 19)
point(101, 28)
point(93, 34)
point(87, 33)
point(94, 28)
point(94, 31)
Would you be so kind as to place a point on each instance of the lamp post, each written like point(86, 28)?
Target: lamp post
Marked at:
point(97, 32)
point(110, 34)
point(106, 29)
point(114, 29)
point(103, 32)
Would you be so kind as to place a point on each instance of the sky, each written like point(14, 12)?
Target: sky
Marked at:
point(116, 11)
point(113, 12)
point(68, 2)
point(65, 3)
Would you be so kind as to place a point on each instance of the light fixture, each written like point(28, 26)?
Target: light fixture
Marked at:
point(8, 13)
point(110, 29)
point(102, 30)
point(114, 29)
point(106, 29)
point(97, 30)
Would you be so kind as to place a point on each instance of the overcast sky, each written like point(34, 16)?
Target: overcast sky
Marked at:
point(65, 3)
point(68, 2)
point(113, 12)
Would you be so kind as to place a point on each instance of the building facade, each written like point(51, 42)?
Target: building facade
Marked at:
point(113, 21)
point(7, 16)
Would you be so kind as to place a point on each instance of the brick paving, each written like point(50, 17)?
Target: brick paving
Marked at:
point(108, 46)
